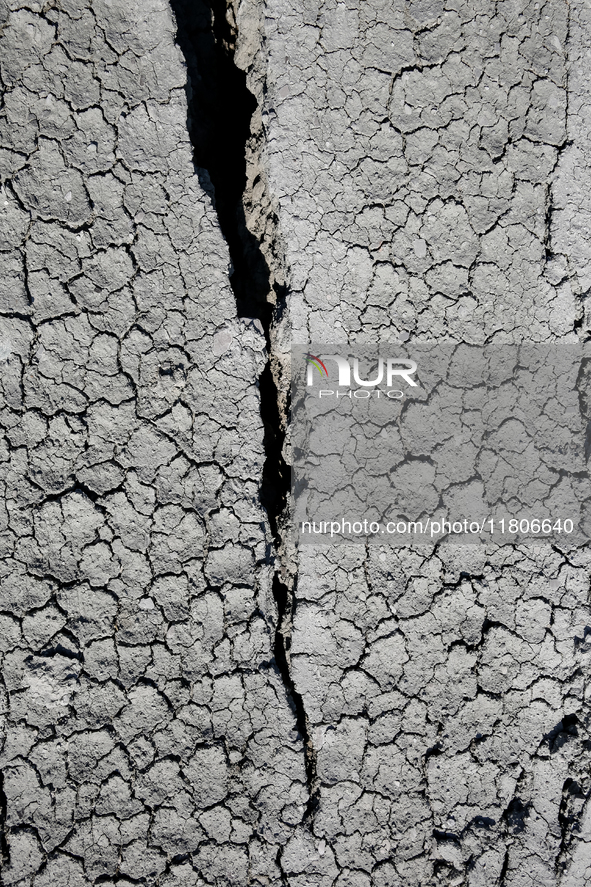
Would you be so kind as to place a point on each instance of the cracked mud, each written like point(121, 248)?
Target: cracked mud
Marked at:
point(187, 191)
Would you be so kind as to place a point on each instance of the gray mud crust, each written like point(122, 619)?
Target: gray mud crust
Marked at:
point(186, 699)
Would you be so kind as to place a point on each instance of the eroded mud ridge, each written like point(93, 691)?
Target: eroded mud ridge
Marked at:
point(186, 188)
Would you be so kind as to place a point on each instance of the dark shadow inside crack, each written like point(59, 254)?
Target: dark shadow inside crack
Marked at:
point(516, 816)
point(4, 849)
point(220, 108)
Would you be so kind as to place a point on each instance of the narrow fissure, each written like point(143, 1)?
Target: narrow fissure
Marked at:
point(504, 869)
point(220, 108)
point(4, 852)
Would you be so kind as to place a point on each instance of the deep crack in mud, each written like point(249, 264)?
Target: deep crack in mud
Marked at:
point(220, 108)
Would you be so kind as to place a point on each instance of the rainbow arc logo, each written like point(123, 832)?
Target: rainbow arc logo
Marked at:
point(315, 361)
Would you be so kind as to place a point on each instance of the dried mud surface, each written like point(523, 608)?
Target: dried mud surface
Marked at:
point(187, 190)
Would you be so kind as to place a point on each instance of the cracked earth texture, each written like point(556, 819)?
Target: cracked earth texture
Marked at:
point(186, 699)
